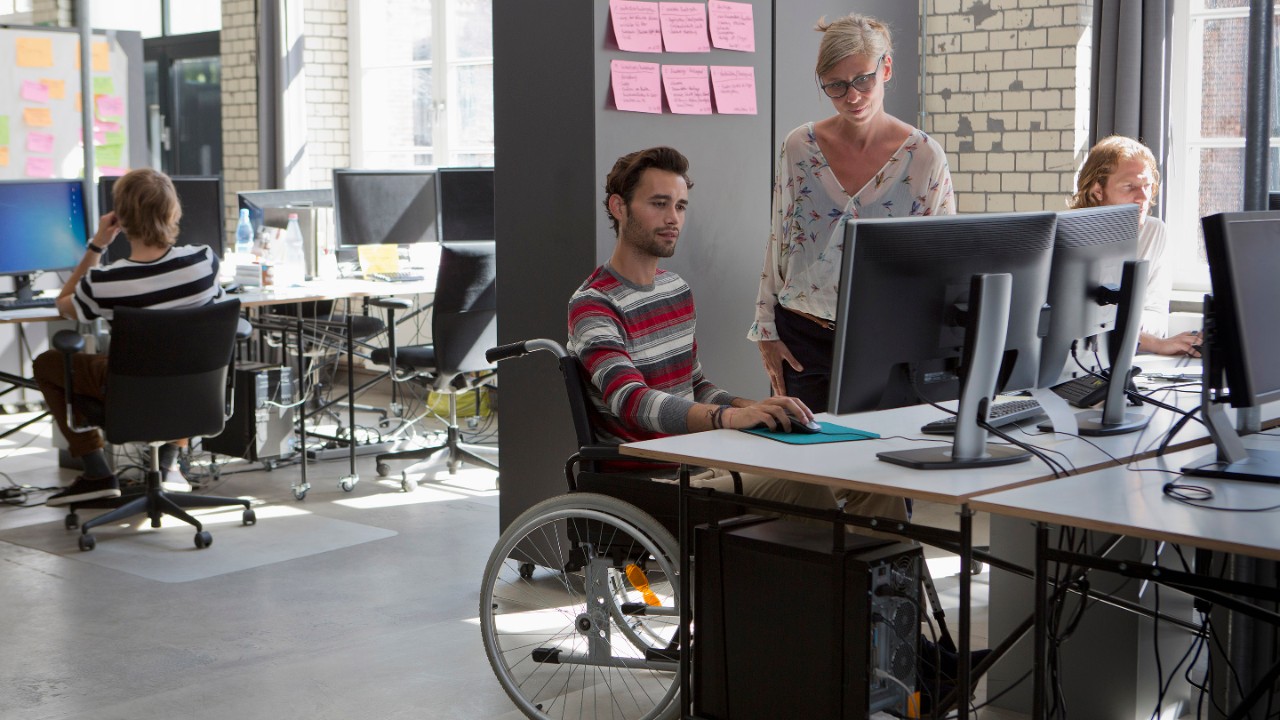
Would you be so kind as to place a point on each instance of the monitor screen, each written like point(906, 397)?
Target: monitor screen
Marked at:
point(466, 204)
point(203, 221)
point(43, 226)
point(271, 208)
point(1090, 248)
point(904, 288)
point(385, 207)
point(1244, 252)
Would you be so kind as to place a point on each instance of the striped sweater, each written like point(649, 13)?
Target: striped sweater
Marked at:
point(637, 345)
point(186, 276)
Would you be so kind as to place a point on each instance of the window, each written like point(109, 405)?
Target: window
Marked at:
point(147, 16)
point(1205, 174)
point(422, 83)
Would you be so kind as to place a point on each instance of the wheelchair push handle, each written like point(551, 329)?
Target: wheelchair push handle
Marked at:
point(524, 347)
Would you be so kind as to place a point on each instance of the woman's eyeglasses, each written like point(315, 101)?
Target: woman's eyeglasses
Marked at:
point(862, 83)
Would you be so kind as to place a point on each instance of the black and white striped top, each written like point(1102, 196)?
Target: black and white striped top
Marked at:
point(186, 276)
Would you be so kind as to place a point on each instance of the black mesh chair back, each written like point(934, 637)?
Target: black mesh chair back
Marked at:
point(167, 372)
point(464, 317)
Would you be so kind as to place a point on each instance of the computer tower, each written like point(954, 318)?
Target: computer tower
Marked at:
point(259, 429)
point(787, 626)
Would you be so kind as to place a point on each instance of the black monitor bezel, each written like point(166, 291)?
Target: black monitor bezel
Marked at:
point(443, 218)
point(344, 243)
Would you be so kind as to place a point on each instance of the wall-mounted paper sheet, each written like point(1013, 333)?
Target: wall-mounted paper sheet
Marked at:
point(35, 52)
point(637, 86)
point(732, 25)
point(39, 142)
point(684, 27)
point(636, 25)
point(688, 89)
point(735, 89)
point(39, 167)
point(33, 91)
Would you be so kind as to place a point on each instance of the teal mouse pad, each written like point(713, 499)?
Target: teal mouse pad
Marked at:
point(831, 433)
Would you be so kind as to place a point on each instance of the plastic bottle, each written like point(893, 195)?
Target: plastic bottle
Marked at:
point(244, 235)
point(291, 264)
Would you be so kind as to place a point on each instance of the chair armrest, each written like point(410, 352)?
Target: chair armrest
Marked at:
point(604, 452)
point(243, 329)
point(68, 341)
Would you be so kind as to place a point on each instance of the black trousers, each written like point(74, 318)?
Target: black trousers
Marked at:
point(813, 345)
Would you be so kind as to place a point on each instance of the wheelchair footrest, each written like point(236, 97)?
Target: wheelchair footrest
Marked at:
point(668, 654)
point(547, 655)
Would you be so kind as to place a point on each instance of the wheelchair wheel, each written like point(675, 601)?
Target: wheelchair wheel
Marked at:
point(591, 632)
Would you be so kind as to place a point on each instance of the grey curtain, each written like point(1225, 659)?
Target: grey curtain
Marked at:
point(1131, 72)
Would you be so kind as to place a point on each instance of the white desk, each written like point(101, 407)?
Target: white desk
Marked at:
point(1132, 502)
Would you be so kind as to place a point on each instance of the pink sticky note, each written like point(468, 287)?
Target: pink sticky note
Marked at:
point(110, 106)
point(732, 25)
point(105, 126)
point(735, 89)
point(39, 167)
point(39, 142)
point(688, 89)
point(637, 86)
point(636, 25)
point(112, 171)
point(34, 91)
point(684, 27)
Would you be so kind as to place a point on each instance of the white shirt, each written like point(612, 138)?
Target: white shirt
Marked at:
point(1152, 240)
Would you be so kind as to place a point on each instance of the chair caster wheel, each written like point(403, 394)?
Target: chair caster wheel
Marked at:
point(203, 539)
point(249, 517)
point(384, 470)
point(87, 542)
point(347, 484)
point(71, 521)
point(300, 491)
point(526, 570)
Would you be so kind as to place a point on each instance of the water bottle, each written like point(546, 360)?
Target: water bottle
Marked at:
point(291, 267)
point(244, 235)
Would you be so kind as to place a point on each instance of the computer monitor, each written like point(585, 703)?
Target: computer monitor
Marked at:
point(1273, 201)
point(465, 201)
point(1242, 338)
point(913, 324)
point(203, 221)
point(43, 228)
point(272, 208)
point(385, 207)
point(1096, 288)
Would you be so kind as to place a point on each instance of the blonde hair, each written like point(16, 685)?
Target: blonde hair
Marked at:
point(1102, 162)
point(853, 34)
point(147, 207)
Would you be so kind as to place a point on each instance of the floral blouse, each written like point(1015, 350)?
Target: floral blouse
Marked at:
point(810, 209)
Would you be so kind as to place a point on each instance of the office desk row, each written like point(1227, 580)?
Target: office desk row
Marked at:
point(854, 465)
point(311, 291)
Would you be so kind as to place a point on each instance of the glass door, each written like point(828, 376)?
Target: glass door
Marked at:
point(184, 103)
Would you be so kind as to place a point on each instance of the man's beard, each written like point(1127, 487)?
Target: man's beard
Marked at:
point(646, 241)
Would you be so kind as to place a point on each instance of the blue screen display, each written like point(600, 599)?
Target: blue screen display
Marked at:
point(42, 226)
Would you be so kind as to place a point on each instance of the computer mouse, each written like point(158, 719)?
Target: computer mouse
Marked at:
point(804, 428)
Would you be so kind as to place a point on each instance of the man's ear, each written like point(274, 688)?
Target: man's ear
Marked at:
point(617, 207)
point(1095, 192)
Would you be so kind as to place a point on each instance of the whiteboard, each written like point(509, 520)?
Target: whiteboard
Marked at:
point(40, 117)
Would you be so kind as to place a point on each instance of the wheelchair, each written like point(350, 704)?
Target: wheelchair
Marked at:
point(580, 597)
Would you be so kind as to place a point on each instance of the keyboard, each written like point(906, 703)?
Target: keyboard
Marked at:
point(1001, 413)
point(1083, 392)
point(16, 304)
point(401, 276)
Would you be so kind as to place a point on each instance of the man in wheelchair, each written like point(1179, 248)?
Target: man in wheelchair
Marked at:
point(631, 324)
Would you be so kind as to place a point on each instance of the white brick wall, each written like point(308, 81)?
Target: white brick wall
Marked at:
point(1001, 96)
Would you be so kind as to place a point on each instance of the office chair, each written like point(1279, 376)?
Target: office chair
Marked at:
point(463, 326)
point(169, 376)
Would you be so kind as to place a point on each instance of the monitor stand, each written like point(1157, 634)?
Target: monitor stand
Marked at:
point(22, 291)
point(1232, 460)
point(989, 298)
point(1115, 418)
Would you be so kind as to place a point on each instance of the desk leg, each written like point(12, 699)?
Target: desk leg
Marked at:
point(351, 396)
point(1039, 661)
point(300, 491)
point(686, 658)
point(963, 686)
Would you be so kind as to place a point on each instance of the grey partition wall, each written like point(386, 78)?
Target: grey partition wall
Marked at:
point(557, 134)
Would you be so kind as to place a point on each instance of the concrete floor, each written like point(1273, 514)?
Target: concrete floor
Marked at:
point(384, 629)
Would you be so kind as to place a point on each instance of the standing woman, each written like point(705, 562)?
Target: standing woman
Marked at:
point(859, 163)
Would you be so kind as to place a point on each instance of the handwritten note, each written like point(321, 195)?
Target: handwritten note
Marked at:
point(688, 89)
point(732, 25)
point(109, 155)
point(637, 86)
point(4, 129)
point(33, 91)
point(100, 54)
point(39, 142)
point(39, 167)
point(35, 52)
point(735, 89)
point(636, 25)
point(111, 171)
point(684, 27)
point(110, 106)
point(4, 156)
point(37, 117)
point(57, 88)
point(104, 125)
point(104, 85)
